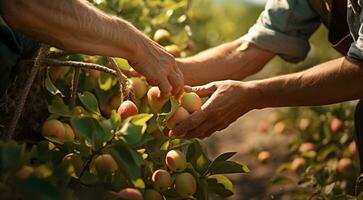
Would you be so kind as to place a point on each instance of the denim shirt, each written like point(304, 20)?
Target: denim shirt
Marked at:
point(285, 26)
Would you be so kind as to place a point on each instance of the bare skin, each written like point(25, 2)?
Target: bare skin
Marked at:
point(77, 26)
point(330, 82)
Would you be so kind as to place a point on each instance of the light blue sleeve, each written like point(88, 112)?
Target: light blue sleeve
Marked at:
point(284, 27)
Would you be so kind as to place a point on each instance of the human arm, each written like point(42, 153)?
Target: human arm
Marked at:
point(77, 26)
point(330, 82)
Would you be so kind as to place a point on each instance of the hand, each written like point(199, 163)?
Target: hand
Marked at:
point(228, 101)
point(159, 68)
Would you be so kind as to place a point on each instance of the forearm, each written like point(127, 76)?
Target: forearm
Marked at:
point(235, 60)
point(331, 82)
point(73, 25)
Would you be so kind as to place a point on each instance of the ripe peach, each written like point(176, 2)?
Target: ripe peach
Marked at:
point(263, 127)
point(352, 148)
point(176, 161)
point(343, 165)
point(105, 164)
point(155, 102)
point(115, 102)
point(24, 172)
point(161, 180)
point(127, 109)
point(129, 194)
point(297, 164)
point(336, 125)
point(53, 128)
point(191, 102)
point(94, 74)
point(74, 160)
point(180, 115)
point(138, 86)
point(173, 50)
point(69, 133)
point(280, 128)
point(151, 194)
point(162, 36)
point(308, 146)
point(263, 156)
point(185, 184)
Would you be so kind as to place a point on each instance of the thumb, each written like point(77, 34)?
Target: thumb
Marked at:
point(202, 91)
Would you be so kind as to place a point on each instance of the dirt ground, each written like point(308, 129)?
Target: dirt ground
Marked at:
point(243, 137)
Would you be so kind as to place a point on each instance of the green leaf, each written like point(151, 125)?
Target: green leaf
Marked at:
point(202, 190)
point(90, 129)
point(89, 101)
point(59, 108)
point(11, 154)
point(175, 144)
point(106, 81)
point(227, 167)
point(225, 156)
point(281, 180)
point(51, 87)
point(122, 63)
point(141, 119)
point(221, 185)
point(197, 156)
point(135, 127)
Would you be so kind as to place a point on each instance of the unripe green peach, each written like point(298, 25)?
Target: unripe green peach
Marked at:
point(127, 109)
point(24, 172)
point(191, 102)
point(173, 50)
point(74, 160)
point(179, 115)
point(138, 86)
point(151, 194)
point(162, 36)
point(305, 147)
point(105, 164)
point(156, 103)
point(115, 102)
point(343, 165)
point(297, 164)
point(53, 128)
point(185, 184)
point(176, 161)
point(129, 194)
point(69, 133)
point(161, 180)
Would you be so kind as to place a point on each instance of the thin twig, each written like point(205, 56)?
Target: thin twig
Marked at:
point(24, 94)
point(122, 79)
point(60, 63)
point(75, 80)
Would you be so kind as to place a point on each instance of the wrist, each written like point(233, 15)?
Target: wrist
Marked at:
point(256, 93)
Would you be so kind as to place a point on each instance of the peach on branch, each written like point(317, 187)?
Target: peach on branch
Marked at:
point(308, 146)
point(105, 164)
point(336, 125)
point(161, 36)
point(24, 172)
point(263, 156)
point(173, 50)
point(53, 128)
point(161, 180)
point(69, 133)
point(178, 116)
point(175, 160)
point(297, 164)
point(185, 184)
point(155, 101)
point(115, 102)
point(151, 194)
point(138, 86)
point(191, 101)
point(129, 194)
point(343, 165)
point(127, 109)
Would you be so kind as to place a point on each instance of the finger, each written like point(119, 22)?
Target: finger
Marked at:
point(217, 127)
point(204, 90)
point(176, 82)
point(199, 131)
point(193, 121)
point(165, 87)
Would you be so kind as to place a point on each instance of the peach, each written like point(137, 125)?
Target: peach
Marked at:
point(179, 115)
point(336, 125)
point(151, 194)
point(352, 148)
point(176, 161)
point(24, 172)
point(161, 180)
point(138, 86)
point(343, 165)
point(263, 156)
point(53, 128)
point(105, 164)
point(161, 36)
point(69, 133)
point(191, 102)
point(155, 102)
point(185, 184)
point(173, 50)
point(127, 109)
point(129, 194)
point(308, 146)
point(115, 102)
point(297, 164)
